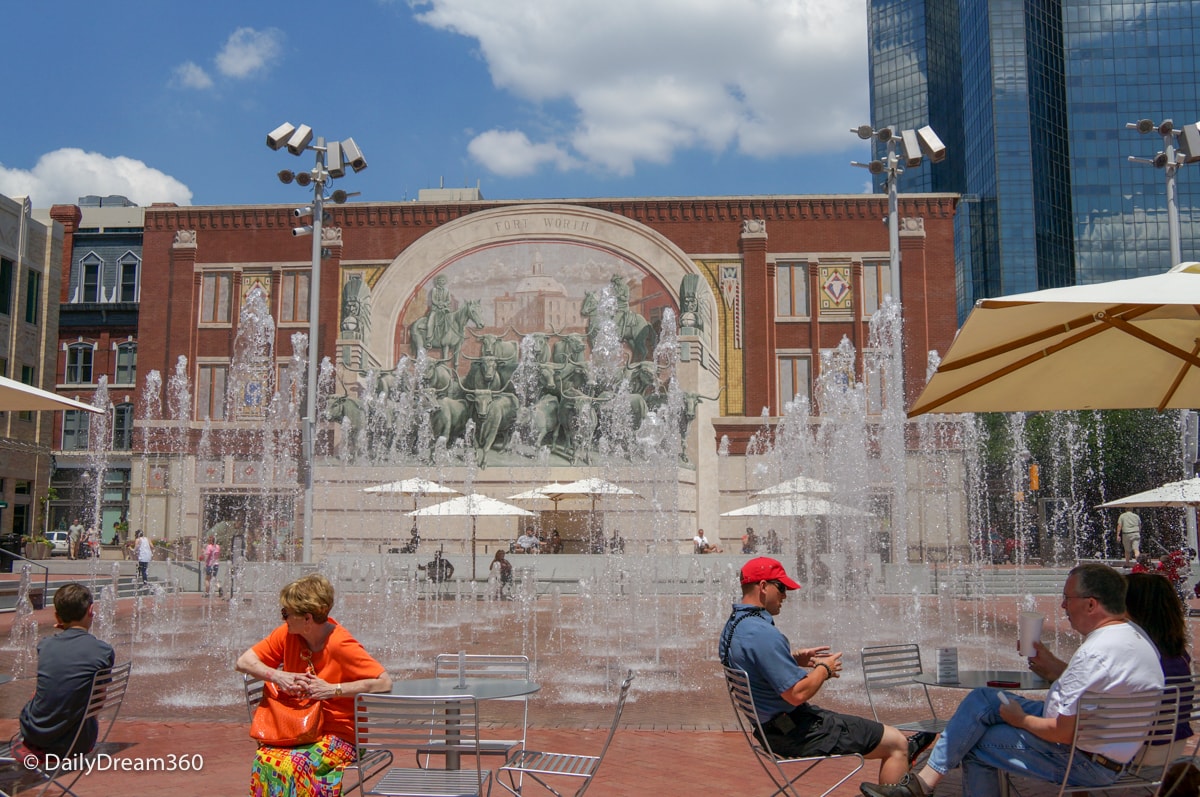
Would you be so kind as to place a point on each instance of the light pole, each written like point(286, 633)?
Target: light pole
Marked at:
point(1169, 160)
point(331, 162)
point(916, 145)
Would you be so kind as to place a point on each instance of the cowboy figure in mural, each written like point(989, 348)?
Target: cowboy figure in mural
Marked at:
point(439, 309)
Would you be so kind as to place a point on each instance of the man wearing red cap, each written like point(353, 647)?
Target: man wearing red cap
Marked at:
point(783, 688)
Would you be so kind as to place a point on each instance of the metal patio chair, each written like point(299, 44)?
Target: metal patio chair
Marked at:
point(538, 765)
point(480, 665)
point(888, 667)
point(396, 723)
point(738, 683)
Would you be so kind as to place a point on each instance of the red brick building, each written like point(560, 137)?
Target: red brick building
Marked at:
point(771, 283)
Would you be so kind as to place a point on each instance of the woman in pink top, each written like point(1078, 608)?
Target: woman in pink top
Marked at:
point(212, 559)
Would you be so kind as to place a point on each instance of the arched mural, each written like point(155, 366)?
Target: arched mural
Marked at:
point(524, 334)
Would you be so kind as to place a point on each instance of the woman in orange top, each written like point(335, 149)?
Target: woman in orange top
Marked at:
point(313, 656)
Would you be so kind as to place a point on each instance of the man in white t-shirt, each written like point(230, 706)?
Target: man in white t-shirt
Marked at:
point(1129, 534)
point(1034, 739)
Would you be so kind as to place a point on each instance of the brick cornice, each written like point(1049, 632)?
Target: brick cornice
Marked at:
point(649, 211)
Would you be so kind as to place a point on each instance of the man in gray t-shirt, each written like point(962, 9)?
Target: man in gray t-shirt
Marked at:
point(67, 664)
point(1129, 534)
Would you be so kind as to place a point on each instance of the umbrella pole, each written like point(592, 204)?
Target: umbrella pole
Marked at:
point(472, 549)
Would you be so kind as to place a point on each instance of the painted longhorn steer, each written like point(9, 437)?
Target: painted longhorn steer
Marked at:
point(495, 416)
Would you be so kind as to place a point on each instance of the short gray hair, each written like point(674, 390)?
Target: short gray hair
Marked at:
point(1101, 582)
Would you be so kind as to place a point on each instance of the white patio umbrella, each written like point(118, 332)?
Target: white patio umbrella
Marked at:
point(16, 396)
point(1182, 494)
point(796, 506)
point(592, 488)
point(473, 506)
point(801, 485)
point(412, 487)
point(1126, 344)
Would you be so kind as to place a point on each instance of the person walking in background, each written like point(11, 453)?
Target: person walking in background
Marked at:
point(143, 554)
point(75, 535)
point(749, 541)
point(212, 561)
point(67, 664)
point(1129, 534)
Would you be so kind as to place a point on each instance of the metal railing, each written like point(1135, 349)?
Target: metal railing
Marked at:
point(45, 570)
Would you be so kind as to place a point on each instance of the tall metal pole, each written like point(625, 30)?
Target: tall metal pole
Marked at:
point(893, 180)
point(1172, 200)
point(309, 432)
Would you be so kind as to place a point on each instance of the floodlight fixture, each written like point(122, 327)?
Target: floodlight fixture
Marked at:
point(286, 176)
point(865, 132)
point(339, 196)
point(931, 144)
point(299, 140)
point(1141, 125)
point(304, 179)
point(1165, 127)
point(912, 148)
point(1189, 143)
point(353, 155)
point(333, 160)
point(280, 135)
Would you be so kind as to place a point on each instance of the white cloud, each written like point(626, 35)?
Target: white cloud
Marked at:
point(190, 75)
point(647, 79)
point(249, 51)
point(510, 153)
point(64, 175)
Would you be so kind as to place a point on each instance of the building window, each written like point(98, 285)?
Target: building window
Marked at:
point(210, 393)
point(122, 427)
point(90, 268)
point(28, 377)
point(6, 286)
point(33, 297)
point(877, 283)
point(791, 289)
point(795, 378)
point(293, 306)
point(216, 298)
point(76, 424)
point(79, 364)
point(127, 277)
point(126, 373)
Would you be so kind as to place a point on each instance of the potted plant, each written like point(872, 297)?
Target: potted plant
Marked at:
point(37, 546)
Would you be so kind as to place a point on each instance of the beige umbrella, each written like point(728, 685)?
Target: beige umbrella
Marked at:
point(796, 506)
point(801, 485)
point(412, 487)
point(592, 488)
point(1127, 344)
point(473, 506)
point(1182, 494)
point(16, 396)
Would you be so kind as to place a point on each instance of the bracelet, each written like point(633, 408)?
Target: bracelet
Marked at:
point(827, 668)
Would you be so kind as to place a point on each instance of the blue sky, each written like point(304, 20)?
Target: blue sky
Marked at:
point(171, 101)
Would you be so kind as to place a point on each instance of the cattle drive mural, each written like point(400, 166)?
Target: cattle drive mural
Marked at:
point(541, 354)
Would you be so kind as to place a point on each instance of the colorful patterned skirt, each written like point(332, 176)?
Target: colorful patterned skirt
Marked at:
point(313, 770)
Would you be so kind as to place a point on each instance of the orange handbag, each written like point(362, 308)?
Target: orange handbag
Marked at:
point(283, 720)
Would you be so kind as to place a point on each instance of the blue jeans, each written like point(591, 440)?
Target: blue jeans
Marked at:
point(978, 739)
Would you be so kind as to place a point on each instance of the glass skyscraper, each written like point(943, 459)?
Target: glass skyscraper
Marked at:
point(1034, 96)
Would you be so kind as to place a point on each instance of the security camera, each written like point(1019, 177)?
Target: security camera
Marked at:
point(931, 145)
point(305, 230)
point(912, 148)
point(280, 135)
point(353, 155)
point(302, 212)
point(333, 160)
point(299, 140)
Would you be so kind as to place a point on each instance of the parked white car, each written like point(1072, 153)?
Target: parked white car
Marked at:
point(61, 540)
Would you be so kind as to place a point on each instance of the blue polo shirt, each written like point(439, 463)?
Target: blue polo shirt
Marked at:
point(761, 649)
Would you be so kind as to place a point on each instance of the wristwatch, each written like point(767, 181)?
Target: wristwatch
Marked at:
point(337, 691)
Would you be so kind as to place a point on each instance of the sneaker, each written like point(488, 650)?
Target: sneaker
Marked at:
point(909, 786)
point(918, 743)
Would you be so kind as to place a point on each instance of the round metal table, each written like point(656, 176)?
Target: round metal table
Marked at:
point(973, 679)
point(478, 688)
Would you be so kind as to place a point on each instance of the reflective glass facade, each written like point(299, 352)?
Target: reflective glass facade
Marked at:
point(1043, 90)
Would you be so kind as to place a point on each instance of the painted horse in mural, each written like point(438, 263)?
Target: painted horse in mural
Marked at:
point(452, 339)
point(631, 328)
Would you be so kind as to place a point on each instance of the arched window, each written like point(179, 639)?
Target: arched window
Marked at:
point(88, 284)
point(79, 364)
point(128, 268)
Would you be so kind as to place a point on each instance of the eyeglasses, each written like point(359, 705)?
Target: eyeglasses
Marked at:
point(1067, 597)
point(777, 585)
